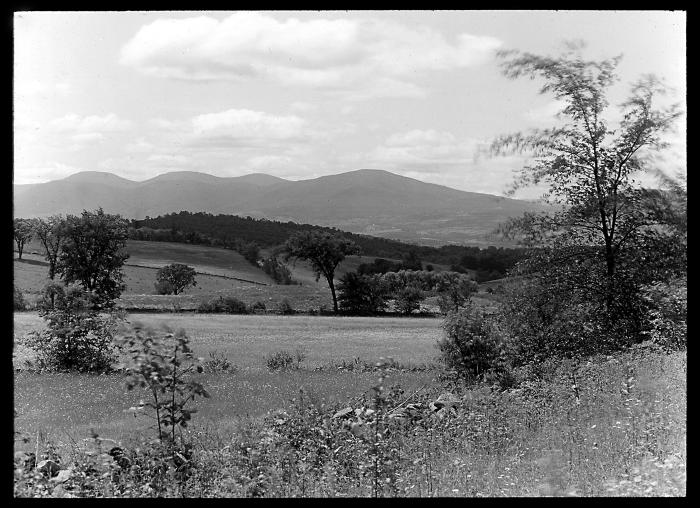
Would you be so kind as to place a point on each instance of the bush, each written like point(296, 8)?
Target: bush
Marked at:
point(285, 308)
point(50, 293)
point(472, 345)
point(258, 307)
point(223, 304)
point(217, 362)
point(667, 320)
point(279, 272)
point(19, 302)
point(361, 294)
point(280, 360)
point(77, 337)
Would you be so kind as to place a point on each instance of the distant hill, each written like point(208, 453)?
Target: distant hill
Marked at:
point(366, 201)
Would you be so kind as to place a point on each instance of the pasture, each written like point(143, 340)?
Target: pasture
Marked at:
point(80, 403)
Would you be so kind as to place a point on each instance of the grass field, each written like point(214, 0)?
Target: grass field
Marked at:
point(80, 403)
point(622, 432)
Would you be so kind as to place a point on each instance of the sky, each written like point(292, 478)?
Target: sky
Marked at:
point(305, 94)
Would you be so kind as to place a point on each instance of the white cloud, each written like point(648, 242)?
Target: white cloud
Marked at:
point(370, 58)
point(246, 124)
point(87, 124)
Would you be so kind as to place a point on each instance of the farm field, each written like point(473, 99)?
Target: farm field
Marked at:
point(83, 402)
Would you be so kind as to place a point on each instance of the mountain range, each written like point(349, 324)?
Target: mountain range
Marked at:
point(373, 202)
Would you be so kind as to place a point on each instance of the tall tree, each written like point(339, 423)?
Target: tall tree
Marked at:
point(22, 232)
point(324, 251)
point(601, 227)
point(94, 252)
point(51, 234)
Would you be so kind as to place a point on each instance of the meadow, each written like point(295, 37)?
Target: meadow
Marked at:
point(621, 431)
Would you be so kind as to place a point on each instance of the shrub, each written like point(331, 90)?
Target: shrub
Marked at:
point(471, 345)
point(223, 304)
point(361, 294)
point(667, 321)
point(285, 307)
point(49, 294)
point(278, 271)
point(280, 360)
point(77, 337)
point(19, 302)
point(258, 307)
point(217, 362)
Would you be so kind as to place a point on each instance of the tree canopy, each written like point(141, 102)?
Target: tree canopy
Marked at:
point(324, 251)
point(94, 253)
point(604, 241)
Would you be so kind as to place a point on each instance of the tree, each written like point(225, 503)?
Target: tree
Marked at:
point(361, 294)
point(175, 278)
point(324, 251)
point(93, 254)
point(51, 234)
point(408, 299)
point(454, 289)
point(23, 232)
point(602, 242)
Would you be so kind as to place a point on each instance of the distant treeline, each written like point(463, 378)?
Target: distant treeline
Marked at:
point(246, 234)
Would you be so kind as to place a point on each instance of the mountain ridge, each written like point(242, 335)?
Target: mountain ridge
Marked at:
point(369, 201)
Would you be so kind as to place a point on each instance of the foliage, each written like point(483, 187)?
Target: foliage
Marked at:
point(408, 298)
point(49, 293)
point(218, 362)
point(285, 308)
point(93, 254)
point(23, 231)
point(324, 251)
point(164, 287)
point(668, 318)
point(284, 360)
point(455, 290)
point(18, 299)
point(361, 294)
point(605, 239)
point(223, 304)
point(51, 233)
point(258, 307)
point(472, 344)
point(77, 337)
point(175, 278)
point(278, 271)
point(163, 364)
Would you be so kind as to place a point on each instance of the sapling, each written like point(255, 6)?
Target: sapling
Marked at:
point(163, 364)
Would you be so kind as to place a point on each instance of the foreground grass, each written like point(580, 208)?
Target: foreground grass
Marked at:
point(620, 432)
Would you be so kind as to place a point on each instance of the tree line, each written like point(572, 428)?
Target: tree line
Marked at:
point(248, 235)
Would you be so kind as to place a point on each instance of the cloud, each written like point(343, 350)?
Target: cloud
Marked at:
point(88, 124)
point(363, 57)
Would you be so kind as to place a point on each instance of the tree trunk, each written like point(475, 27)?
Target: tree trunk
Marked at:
point(335, 300)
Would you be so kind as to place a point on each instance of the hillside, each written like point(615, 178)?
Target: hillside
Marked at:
point(366, 201)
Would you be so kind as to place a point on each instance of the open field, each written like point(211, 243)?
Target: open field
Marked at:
point(80, 403)
point(625, 435)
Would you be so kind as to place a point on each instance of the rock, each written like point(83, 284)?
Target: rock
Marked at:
point(49, 467)
point(59, 491)
point(445, 400)
point(343, 412)
point(62, 476)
